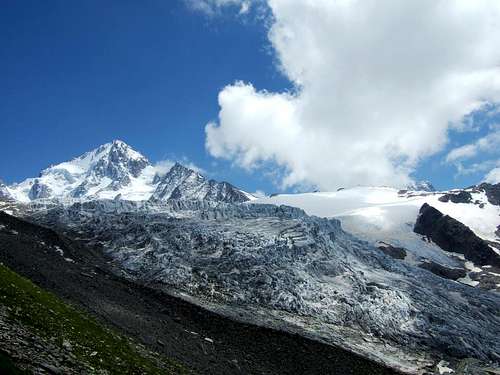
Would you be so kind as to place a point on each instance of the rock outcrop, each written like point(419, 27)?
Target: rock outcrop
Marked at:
point(453, 236)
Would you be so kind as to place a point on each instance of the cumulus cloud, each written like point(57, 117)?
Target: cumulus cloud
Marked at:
point(379, 83)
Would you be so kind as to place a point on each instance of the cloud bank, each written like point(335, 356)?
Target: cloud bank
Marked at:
point(378, 85)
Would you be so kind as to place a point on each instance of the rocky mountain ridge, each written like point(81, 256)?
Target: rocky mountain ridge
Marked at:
point(116, 171)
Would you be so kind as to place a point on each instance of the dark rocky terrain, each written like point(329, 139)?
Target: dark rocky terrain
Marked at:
point(443, 271)
point(492, 192)
point(453, 236)
point(205, 342)
point(460, 197)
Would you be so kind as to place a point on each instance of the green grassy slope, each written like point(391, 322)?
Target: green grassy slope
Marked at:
point(92, 344)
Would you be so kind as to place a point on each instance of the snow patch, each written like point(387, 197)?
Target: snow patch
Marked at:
point(443, 368)
point(472, 267)
point(59, 251)
point(468, 281)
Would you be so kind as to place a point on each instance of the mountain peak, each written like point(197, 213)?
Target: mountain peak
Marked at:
point(116, 148)
point(179, 167)
point(421, 186)
point(115, 169)
point(183, 183)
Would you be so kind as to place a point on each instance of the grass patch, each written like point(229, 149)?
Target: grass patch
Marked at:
point(91, 343)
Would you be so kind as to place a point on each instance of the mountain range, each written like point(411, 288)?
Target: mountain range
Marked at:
point(408, 278)
point(115, 170)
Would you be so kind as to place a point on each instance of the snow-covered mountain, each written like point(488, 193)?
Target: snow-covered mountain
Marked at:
point(115, 170)
point(377, 270)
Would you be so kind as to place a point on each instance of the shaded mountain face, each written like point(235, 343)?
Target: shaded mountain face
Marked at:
point(115, 170)
point(492, 191)
point(4, 192)
point(182, 183)
point(453, 236)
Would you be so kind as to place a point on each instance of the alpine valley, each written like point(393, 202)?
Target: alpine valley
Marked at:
point(363, 280)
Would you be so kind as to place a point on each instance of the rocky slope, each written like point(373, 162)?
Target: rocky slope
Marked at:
point(41, 334)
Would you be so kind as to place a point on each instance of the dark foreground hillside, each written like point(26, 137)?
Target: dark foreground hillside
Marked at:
point(40, 333)
point(187, 334)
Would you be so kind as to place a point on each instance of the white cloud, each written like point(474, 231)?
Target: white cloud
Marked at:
point(462, 152)
point(488, 143)
point(259, 194)
point(213, 7)
point(493, 177)
point(163, 166)
point(379, 83)
point(473, 168)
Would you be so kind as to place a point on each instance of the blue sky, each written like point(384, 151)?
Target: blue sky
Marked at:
point(75, 75)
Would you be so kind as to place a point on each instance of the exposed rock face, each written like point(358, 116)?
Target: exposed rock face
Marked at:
point(461, 197)
point(4, 193)
point(443, 271)
point(174, 178)
point(393, 251)
point(182, 183)
point(119, 163)
point(492, 192)
point(39, 190)
point(453, 236)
